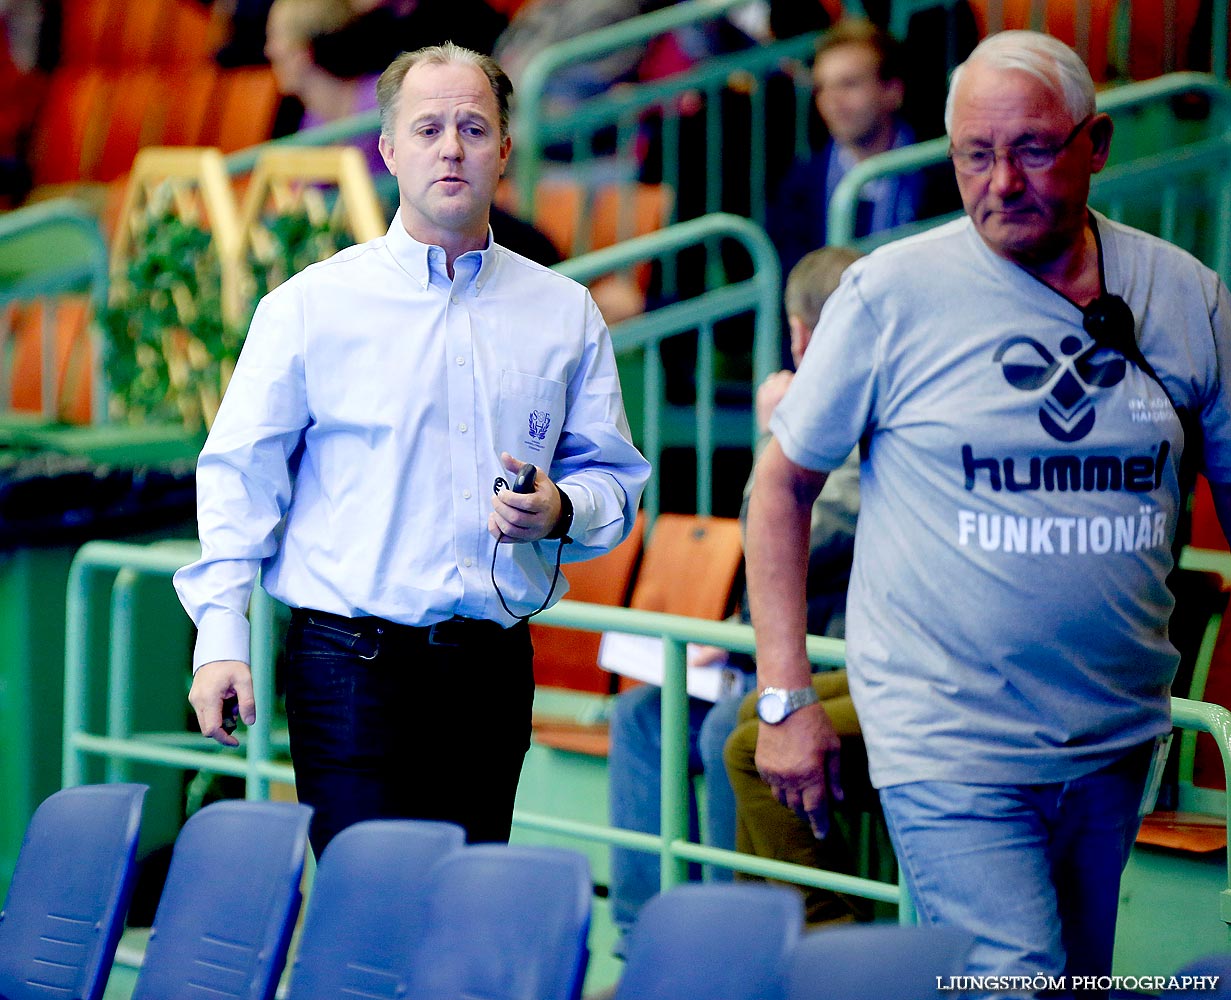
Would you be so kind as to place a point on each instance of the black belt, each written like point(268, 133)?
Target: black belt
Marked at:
point(455, 631)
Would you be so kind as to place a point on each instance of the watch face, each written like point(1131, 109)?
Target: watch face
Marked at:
point(771, 707)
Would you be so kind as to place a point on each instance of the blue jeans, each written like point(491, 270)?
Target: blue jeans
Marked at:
point(635, 788)
point(385, 722)
point(1032, 870)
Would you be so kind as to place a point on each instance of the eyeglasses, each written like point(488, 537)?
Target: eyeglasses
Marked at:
point(1030, 156)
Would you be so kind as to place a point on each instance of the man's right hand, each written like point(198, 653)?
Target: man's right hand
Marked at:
point(213, 684)
point(798, 759)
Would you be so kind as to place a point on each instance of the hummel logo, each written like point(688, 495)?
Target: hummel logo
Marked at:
point(1067, 413)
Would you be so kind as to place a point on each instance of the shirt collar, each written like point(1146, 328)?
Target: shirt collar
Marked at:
point(420, 260)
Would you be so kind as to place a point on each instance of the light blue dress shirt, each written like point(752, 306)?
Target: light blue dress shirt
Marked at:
point(356, 450)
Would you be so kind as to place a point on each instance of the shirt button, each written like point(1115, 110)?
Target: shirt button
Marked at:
point(462, 428)
point(465, 494)
point(461, 360)
point(468, 562)
point(453, 299)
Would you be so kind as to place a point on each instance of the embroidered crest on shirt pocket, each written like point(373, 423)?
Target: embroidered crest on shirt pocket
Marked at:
point(531, 414)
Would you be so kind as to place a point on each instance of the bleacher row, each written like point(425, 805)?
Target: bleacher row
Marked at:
point(136, 75)
point(405, 909)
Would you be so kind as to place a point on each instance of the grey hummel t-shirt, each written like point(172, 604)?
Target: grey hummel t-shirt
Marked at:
point(1007, 617)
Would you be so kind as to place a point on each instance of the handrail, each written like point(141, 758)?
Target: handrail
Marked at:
point(528, 119)
point(536, 126)
point(256, 760)
point(128, 560)
point(1119, 100)
point(759, 293)
point(32, 265)
point(334, 133)
point(1215, 720)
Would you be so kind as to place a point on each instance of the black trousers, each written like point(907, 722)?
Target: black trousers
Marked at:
point(390, 721)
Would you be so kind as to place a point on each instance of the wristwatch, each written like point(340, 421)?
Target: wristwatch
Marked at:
point(775, 704)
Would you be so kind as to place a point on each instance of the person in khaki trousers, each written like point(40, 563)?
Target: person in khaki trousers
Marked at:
point(763, 826)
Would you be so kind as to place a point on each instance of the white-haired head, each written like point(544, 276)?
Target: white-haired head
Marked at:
point(1046, 58)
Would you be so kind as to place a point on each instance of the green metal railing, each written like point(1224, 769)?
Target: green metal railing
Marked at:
point(115, 743)
point(705, 426)
point(675, 849)
point(261, 757)
point(692, 100)
point(1172, 178)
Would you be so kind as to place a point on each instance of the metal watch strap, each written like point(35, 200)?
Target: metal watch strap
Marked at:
point(797, 698)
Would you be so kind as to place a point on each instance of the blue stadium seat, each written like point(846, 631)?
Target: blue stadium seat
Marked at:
point(1218, 965)
point(699, 942)
point(229, 904)
point(506, 923)
point(368, 905)
point(876, 961)
point(70, 891)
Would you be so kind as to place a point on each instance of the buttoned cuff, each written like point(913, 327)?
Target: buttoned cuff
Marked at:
point(222, 635)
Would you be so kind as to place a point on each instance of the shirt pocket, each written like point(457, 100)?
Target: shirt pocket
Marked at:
point(530, 417)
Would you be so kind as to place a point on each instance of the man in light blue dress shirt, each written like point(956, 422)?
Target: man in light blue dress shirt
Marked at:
point(361, 461)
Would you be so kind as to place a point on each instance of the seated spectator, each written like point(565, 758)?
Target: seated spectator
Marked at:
point(376, 32)
point(291, 34)
point(858, 73)
point(763, 826)
point(634, 776)
point(540, 23)
point(383, 28)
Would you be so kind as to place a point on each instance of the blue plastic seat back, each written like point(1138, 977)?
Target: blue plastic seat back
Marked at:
point(70, 892)
point(229, 904)
point(699, 942)
point(877, 961)
point(506, 923)
point(368, 905)
point(1218, 965)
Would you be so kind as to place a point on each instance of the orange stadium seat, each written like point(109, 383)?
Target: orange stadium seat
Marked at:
point(72, 122)
point(138, 98)
point(123, 33)
point(692, 566)
point(1155, 25)
point(72, 367)
point(1206, 531)
point(1060, 21)
point(568, 658)
point(86, 23)
point(241, 109)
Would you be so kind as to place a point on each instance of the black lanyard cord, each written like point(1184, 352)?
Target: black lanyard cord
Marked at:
point(554, 580)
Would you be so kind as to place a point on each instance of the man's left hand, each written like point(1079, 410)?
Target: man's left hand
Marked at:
point(524, 517)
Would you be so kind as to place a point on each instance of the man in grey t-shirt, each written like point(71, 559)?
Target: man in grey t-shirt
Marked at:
point(1037, 375)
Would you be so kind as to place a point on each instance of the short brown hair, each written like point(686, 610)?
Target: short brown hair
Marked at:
point(389, 86)
point(814, 279)
point(857, 31)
